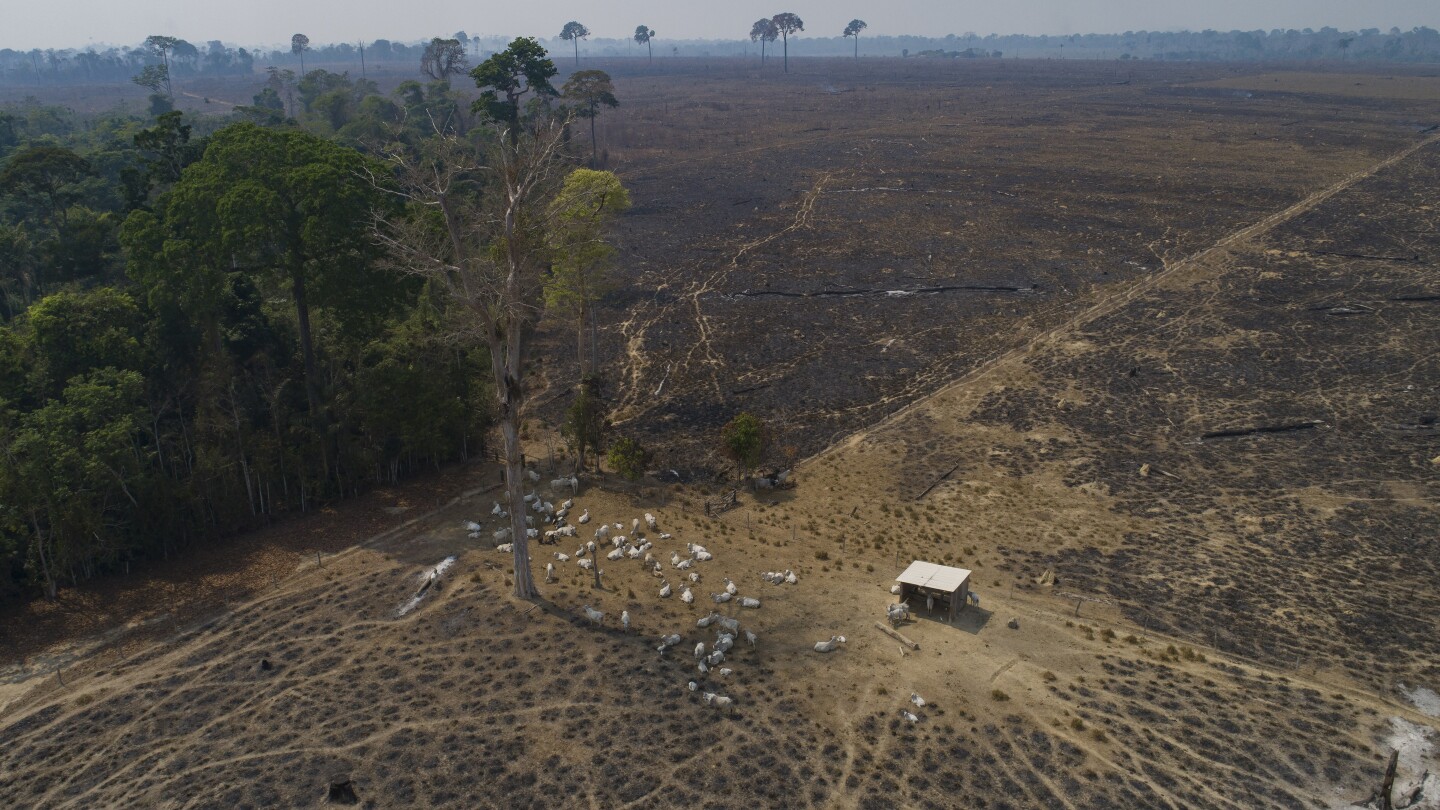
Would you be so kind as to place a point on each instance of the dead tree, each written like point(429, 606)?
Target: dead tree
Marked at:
point(474, 226)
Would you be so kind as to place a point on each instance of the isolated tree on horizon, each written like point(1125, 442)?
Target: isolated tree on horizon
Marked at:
point(521, 68)
point(442, 59)
point(574, 32)
point(161, 46)
point(590, 89)
point(643, 35)
point(299, 44)
point(787, 23)
point(853, 30)
point(764, 31)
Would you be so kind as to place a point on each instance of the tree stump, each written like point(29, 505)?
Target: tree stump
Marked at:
point(341, 791)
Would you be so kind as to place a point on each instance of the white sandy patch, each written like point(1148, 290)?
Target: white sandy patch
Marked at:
point(427, 575)
point(1423, 699)
point(1416, 746)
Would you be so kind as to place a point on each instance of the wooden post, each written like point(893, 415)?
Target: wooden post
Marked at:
point(1077, 606)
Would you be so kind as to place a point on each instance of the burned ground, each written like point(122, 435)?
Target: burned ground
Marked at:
point(825, 249)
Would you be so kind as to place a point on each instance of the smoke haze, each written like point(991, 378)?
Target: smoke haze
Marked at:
point(81, 23)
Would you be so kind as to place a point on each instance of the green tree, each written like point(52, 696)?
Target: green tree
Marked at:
point(574, 32)
point(643, 35)
point(442, 59)
point(519, 69)
point(162, 46)
point(167, 148)
point(155, 78)
point(69, 471)
point(787, 23)
point(44, 183)
point(744, 440)
point(581, 213)
point(74, 333)
point(590, 90)
point(299, 44)
point(764, 31)
point(853, 29)
point(586, 421)
point(290, 207)
point(628, 458)
point(46, 176)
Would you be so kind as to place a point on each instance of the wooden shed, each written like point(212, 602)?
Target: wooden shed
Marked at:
point(947, 586)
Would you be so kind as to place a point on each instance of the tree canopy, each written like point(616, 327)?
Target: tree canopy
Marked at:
point(643, 35)
point(509, 75)
point(590, 90)
point(853, 29)
point(443, 58)
point(574, 32)
point(744, 439)
point(787, 23)
point(764, 31)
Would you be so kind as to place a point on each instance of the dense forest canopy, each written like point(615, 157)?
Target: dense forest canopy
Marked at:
point(200, 331)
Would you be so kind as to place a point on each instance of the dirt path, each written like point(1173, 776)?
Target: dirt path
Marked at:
point(1118, 297)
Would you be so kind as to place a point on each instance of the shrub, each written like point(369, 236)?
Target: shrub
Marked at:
point(998, 696)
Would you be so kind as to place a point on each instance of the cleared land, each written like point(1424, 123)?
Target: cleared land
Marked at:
point(1254, 611)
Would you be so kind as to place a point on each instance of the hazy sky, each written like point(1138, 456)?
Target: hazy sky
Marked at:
point(78, 23)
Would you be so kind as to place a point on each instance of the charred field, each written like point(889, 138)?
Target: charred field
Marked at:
point(827, 247)
point(1150, 349)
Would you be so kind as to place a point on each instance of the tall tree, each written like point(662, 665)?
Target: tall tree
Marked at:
point(69, 467)
point(442, 59)
point(581, 213)
point(853, 30)
point(590, 90)
point(299, 44)
point(787, 23)
point(521, 68)
point(288, 206)
point(574, 32)
point(162, 46)
point(484, 245)
point(764, 31)
point(643, 35)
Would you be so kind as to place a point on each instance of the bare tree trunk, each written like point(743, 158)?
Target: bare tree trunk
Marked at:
point(580, 342)
point(515, 489)
point(51, 591)
point(594, 151)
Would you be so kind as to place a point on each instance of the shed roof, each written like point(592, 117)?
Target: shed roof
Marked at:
point(938, 577)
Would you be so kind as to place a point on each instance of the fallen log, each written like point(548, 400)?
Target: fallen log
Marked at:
point(1414, 258)
point(937, 481)
point(1410, 299)
point(1251, 431)
point(895, 634)
point(835, 293)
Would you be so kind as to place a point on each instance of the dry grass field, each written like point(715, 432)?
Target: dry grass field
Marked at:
point(1237, 619)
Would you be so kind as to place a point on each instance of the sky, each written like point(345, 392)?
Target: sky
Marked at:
point(82, 23)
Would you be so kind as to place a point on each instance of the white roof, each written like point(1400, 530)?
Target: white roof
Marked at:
point(938, 577)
